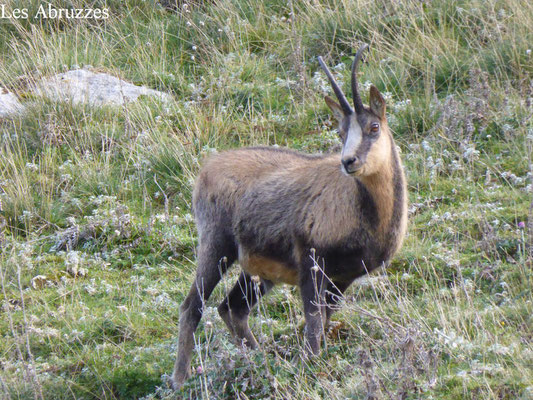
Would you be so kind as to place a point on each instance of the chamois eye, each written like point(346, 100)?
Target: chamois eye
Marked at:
point(374, 128)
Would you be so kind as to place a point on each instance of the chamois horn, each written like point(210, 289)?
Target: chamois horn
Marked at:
point(358, 104)
point(338, 91)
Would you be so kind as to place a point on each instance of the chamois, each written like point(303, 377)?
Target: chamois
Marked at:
point(316, 221)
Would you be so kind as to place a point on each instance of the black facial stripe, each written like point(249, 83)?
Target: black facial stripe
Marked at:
point(362, 119)
point(365, 146)
point(345, 125)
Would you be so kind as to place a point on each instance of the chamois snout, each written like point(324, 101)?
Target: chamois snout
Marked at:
point(351, 164)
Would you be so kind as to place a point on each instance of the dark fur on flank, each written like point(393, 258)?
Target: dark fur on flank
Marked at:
point(316, 221)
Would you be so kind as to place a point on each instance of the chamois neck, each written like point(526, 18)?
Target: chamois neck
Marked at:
point(382, 186)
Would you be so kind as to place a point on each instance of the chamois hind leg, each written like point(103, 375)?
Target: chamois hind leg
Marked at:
point(236, 307)
point(215, 256)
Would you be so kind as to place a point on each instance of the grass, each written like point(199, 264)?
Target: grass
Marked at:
point(97, 241)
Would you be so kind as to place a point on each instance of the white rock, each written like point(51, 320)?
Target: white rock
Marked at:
point(9, 104)
point(39, 281)
point(370, 280)
point(82, 86)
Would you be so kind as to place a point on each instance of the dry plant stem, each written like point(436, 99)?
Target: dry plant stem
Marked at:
point(529, 250)
point(12, 327)
point(4, 390)
point(167, 213)
point(530, 234)
point(38, 393)
point(298, 52)
point(370, 379)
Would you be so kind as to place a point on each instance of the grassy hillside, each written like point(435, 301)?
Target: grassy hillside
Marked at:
point(97, 240)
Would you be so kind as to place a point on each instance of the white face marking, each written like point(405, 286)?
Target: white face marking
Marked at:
point(353, 139)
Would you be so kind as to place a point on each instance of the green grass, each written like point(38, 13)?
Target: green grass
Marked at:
point(97, 242)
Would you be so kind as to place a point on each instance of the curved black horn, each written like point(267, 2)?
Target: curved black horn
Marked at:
point(358, 104)
point(338, 92)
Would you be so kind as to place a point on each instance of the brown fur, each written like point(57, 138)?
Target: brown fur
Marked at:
point(268, 269)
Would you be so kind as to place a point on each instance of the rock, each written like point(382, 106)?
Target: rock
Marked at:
point(370, 280)
point(76, 271)
point(82, 86)
point(9, 104)
point(39, 281)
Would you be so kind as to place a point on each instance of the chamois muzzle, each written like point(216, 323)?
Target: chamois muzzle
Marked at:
point(351, 164)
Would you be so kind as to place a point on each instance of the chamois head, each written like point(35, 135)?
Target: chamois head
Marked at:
point(363, 130)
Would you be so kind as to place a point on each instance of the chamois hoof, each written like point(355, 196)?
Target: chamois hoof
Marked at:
point(238, 328)
point(176, 382)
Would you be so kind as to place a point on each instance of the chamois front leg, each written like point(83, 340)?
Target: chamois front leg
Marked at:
point(334, 294)
point(312, 287)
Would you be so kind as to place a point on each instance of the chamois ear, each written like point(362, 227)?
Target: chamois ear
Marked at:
point(337, 110)
point(377, 102)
